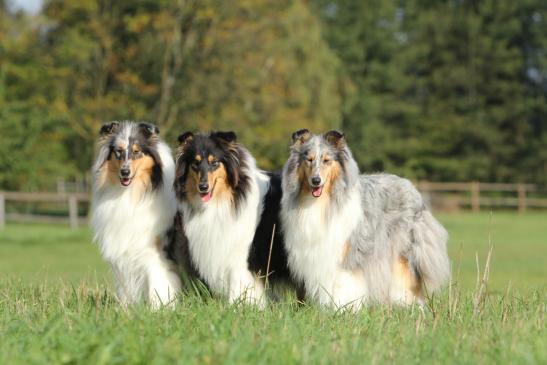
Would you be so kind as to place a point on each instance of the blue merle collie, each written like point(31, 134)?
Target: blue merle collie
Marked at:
point(133, 211)
point(356, 239)
point(229, 210)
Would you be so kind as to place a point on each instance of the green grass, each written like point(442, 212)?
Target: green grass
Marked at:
point(49, 252)
point(519, 255)
point(56, 307)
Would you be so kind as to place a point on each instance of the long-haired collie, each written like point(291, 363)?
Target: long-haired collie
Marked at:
point(229, 209)
point(356, 239)
point(134, 207)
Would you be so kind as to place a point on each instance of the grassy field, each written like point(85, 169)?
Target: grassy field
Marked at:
point(56, 307)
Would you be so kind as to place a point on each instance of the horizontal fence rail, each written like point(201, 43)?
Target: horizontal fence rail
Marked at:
point(71, 200)
point(474, 195)
point(439, 195)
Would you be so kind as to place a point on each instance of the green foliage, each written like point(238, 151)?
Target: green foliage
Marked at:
point(443, 90)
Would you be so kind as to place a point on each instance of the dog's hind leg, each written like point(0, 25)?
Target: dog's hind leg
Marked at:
point(406, 288)
point(429, 251)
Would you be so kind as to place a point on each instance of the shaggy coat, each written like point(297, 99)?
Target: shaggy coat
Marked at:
point(133, 210)
point(229, 209)
point(355, 239)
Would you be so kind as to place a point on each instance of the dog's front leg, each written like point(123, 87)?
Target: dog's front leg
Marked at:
point(163, 284)
point(246, 287)
point(128, 286)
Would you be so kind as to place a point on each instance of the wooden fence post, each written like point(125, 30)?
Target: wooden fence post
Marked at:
point(2, 210)
point(73, 211)
point(475, 197)
point(521, 189)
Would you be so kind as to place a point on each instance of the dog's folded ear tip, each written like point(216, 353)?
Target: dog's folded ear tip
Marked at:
point(185, 137)
point(108, 128)
point(229, 136)
point(301, 135)
point(335, 137)
point(149, 129)
point(335, 133)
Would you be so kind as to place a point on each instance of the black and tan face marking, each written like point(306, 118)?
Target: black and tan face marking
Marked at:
point(319, 161)
point(208, 166)
point(133, 155)
point(206, 175)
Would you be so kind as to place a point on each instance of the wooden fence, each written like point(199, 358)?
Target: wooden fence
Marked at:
point(477, 195)
point(71, 200)
point(441, 196)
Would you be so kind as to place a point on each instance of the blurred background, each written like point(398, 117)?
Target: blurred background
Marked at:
point(450, 94)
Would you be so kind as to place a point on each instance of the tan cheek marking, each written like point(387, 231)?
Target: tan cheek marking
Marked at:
point(142, 168)
point(303, 174)
point(112, 170)
point(192, 182)
point(409, 281)
point(219, 179)
point(330, 173)
point(142, 174)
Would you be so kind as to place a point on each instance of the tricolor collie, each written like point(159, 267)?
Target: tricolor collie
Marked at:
point(229, 210)
point(356, 239)
point(133, 210)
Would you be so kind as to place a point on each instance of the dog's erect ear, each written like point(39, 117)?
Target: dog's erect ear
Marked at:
point(149, 129)
point(228, 137)
point(185, 138)
point(109, 128)
point(300, 137)
point(335, 138)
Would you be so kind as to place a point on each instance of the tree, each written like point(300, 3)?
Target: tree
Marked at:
point(441, 89)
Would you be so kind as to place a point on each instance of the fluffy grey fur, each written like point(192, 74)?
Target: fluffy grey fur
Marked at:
point(373, 220)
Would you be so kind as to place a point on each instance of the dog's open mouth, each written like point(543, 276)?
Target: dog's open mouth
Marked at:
point(125, 181)
point(316, 191)
point(205, 197)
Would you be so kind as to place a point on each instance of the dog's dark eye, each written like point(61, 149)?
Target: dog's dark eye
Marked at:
point(195, 165)
point(215, 164)
point(326, 160)
point(309, 159)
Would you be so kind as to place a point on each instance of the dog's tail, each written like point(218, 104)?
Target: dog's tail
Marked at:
point(430, 255)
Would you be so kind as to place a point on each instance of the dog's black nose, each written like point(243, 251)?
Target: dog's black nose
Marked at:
point(203, 187)
point(316, 180)
point(125, 172)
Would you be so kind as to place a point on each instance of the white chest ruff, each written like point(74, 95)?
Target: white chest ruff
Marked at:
point(315, 240)
point(127, 229)
point(219, 239)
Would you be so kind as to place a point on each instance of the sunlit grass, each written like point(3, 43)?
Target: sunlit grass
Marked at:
point(56, 307)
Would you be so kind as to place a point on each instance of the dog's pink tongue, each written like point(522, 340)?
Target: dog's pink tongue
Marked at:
point(205, 197)
point(316, 192)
